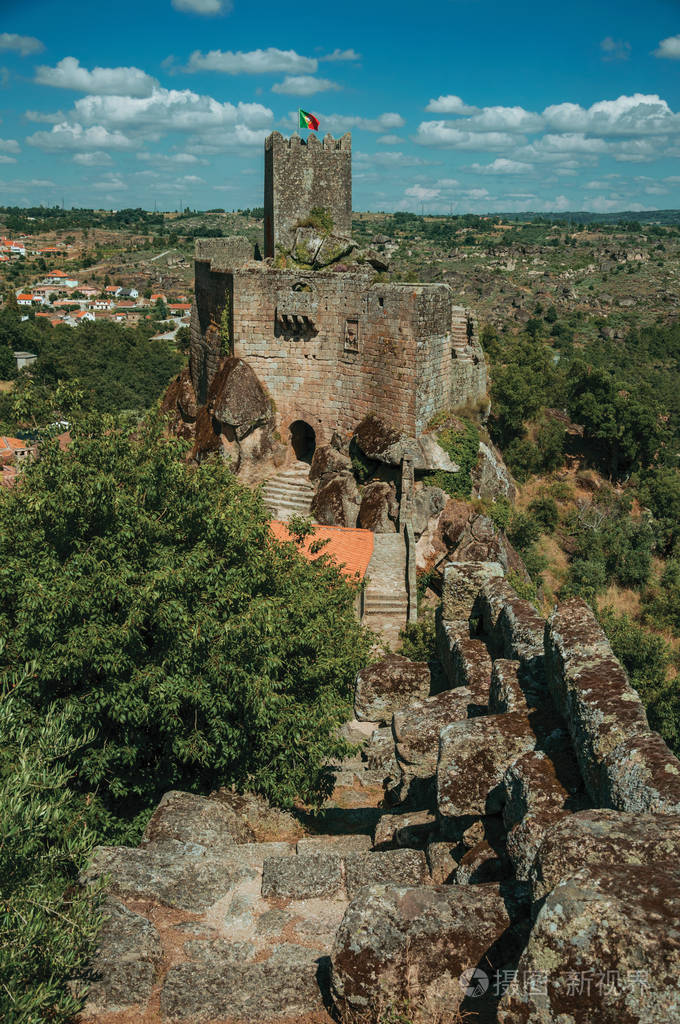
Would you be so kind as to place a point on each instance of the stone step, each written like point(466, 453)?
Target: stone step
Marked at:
point(334, 876)
point(287, 509)
point(289, 485)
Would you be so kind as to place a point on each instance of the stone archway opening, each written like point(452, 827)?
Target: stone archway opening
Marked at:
point(303, 440)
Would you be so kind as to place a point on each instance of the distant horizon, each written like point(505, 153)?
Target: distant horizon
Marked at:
point(478, 107)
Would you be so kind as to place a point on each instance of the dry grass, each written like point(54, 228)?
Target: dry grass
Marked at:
point(6, 385)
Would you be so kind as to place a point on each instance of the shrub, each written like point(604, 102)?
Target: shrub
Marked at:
point(544, 511)
point(163, 616)
point(48, 927)
point(462, 447)
point(647, 659)
point(419, 640)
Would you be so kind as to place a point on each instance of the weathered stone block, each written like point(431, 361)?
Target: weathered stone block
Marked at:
point(482, 864)
point(404, 945)
point(616, 931)
point(389, 867)
point(462, 583)
point(591, 839)
point(215, 985)
point(591, 690)
point(505, 692)
point(642, 774)
point(473, 758)
point(416, 730)
point(409, 829)
point(389, 685)
point(304, 877)
point(189, 818)
point(126, 964)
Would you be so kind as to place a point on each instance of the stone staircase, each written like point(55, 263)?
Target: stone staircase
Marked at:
point(385, 597)
point(289, 493)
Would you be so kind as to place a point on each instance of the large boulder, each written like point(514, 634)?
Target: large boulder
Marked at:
point(390, 684)
point(379, 509)
point(327, 461)
point(383, 443)
point(336, 503)
point(604, 949)
point(442, 535)
point(187, 817)
point(428, 503)
point(237, 399)
point(401, 947)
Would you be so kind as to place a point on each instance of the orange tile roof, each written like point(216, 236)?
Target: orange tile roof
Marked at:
point(351, 549)
point(13, 443)
point(24, 295)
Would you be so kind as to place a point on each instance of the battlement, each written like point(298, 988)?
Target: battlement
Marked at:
point(276, 140)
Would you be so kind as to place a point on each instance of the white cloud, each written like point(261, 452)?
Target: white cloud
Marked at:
point(42, 118)
point(253, 62)
point(170, 159)
point(74, 136)
point(349, 55)
point(339, 123)
point(203, 6)
point(502, 166)
point(505, 119)
point(96, 159)
point(168, 110)
point(9, 145)
point(304, 85)
point(240, 136)
point(114, 183)
point(23, 45)
point(391, 159)
point(389, 140)
point(69, 74)
point(7, 159)
point(615, 49)
point(444, 133)
point(639, 114)
point(669, 48)
point(421, 193)
point(450, 105)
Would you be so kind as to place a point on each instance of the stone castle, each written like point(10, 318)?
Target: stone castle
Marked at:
point(328, 341)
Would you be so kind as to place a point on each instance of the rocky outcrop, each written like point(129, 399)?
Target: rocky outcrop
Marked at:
point(485, 878)
point(491, 478)
point(336, 503)
point(379, 509)
point(384, 444)
point(327, 461)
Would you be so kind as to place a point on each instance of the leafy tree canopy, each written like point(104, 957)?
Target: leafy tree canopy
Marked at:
point(167, 623)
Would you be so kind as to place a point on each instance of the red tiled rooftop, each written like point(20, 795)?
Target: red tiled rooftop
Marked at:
point(351, 549)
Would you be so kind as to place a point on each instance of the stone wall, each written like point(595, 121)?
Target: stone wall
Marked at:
point(330, 347)
point(300, 175)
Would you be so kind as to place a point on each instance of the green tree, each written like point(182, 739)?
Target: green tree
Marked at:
point(162, 614)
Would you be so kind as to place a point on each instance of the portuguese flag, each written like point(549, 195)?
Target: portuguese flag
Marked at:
point(308, 120)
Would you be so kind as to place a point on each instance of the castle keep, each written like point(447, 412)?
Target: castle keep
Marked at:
point(328, 341)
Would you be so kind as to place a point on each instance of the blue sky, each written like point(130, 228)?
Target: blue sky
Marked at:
point(461, 105)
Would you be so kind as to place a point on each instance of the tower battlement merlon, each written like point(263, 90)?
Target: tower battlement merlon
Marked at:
point(295, 142)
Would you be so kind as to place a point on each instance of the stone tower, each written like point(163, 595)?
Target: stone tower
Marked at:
point(300, 175)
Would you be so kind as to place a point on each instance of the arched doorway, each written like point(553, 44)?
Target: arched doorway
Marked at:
point(303, 440)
